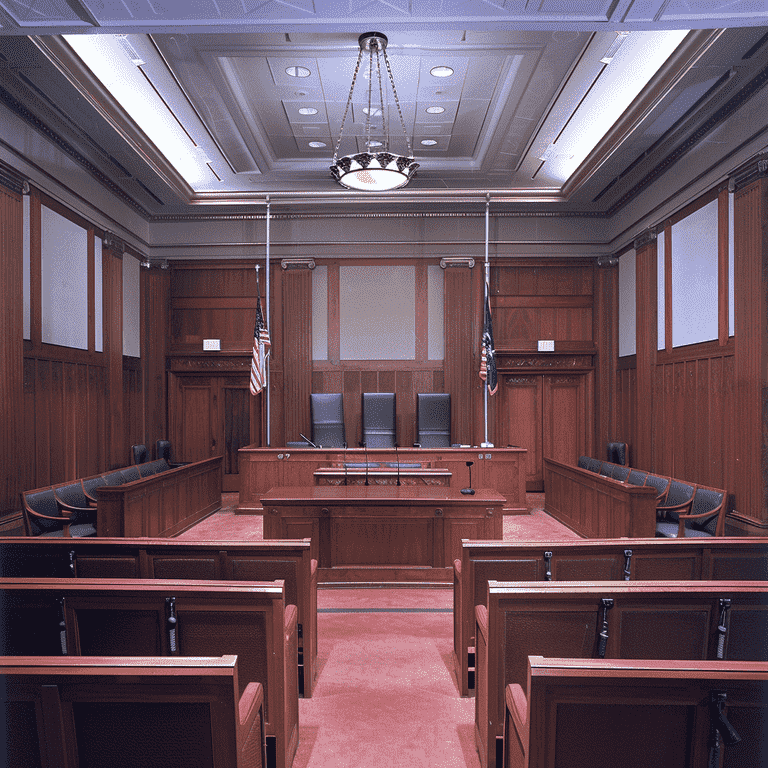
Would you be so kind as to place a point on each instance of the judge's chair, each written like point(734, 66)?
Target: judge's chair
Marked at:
point(139, 454)
point(618, 453)
point(433, 420)
point(379, 420)
point(327, 412)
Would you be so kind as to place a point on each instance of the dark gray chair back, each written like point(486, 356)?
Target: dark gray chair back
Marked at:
point(618, 453)
point(163, 450)
point(637, 477)
point(130, 474)
point(678, 493)
point(620, 473)
point(433, 419)
point(327, 411)
point(139, 454)
point(379, 419)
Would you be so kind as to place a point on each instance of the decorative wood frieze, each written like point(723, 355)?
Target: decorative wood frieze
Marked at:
point(208, 364)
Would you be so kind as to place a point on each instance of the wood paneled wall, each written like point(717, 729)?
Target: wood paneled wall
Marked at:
point(69, 413)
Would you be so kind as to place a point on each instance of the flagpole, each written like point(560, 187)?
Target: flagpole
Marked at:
point(486, 298)
point(269, 325)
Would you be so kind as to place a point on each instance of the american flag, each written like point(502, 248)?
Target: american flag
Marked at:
point(261, 345)
point(488, 351)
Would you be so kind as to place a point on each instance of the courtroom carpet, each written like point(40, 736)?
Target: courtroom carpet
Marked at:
point(386, 694)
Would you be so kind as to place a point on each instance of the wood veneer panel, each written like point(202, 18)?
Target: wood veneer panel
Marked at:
point(646, 297)
point(297, 351)
point(12, 347)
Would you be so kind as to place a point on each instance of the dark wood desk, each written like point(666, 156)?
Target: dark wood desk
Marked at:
point(383, 533)
point(261, 469)
point(377, 476)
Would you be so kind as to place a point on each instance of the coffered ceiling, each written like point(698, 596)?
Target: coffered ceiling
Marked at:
point(547, 106)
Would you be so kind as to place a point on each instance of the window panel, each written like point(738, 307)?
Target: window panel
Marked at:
point(320, 313)
point(627, 302)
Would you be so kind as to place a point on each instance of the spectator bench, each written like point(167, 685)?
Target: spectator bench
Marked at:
point(126, 712)
point(175, 559)
point(688, 621)
point(636, 714)
point(99, 617)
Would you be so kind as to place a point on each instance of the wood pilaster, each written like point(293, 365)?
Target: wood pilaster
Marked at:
point(646, 347)
point(118, 451)
point(605, 337)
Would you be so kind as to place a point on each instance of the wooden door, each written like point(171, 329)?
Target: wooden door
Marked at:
point(522, 408)
point(212, 416)
point(565, 417)
point(548, 415)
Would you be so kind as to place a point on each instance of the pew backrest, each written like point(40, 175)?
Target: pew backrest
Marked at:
point(593, 714)
point(121, 558)
point(611, 620)
point(127, 712)
point(158, 618)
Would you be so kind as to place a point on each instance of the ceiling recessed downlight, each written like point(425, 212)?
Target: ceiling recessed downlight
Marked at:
point(317, 144)
point(428, 142)
point(297, 71)
point(435, 110)
point(307, 111)
point(374, 143)
point(441, 71)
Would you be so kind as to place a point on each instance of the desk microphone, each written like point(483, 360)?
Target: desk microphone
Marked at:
point(469, 491)
point(345, 462)
point(307, 440)
point(397, 459)
point(365, 448)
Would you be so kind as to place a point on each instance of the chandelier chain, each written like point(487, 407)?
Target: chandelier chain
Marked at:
point(397, 102)
point(349, 102)
point(370, 93)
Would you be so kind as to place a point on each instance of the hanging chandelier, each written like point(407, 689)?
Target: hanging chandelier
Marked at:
point(374, 170)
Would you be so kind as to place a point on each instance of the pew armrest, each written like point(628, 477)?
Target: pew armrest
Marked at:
point(252, 746)
point(457, 567)
point(481, 618)
point(517, 707)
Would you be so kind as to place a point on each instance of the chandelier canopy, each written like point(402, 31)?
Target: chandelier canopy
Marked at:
point(379, 170)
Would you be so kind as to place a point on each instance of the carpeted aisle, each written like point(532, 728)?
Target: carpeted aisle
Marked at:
point(386, 694)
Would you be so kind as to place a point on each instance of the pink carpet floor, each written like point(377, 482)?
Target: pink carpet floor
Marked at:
point(386, 693)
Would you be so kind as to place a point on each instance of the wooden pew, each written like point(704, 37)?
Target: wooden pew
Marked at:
point(636, 714)
point(713, 558)
point(128, 712)
point(128, 617)
point(288, 560)
point(596, 506)
point(612, 620)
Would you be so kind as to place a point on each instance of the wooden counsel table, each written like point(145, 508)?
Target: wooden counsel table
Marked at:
point(383, 533)
point(502, 469)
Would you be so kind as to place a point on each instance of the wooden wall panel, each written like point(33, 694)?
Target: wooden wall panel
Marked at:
point(11, 346)
point(626, 407)
point(295, 351)
point(155, 332)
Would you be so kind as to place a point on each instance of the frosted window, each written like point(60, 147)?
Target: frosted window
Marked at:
point(661, 307)
point(320, 313)
point(26, 259)
point(131, 307)
point(435, 297)
point(627, 310)
point(731, 250)
point(64, 281)
point(377, 312)
point(694, 277)
point(98, 309)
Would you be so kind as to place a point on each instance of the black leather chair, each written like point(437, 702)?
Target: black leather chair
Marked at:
point(327, 412)
point(637, 477)
point(163, 452)
point(620, 473)
point(130, 474)
point(43, 517)
point(379, 420)
point(618, 453)
point(706, 518)
point(677, 502)
point(139, 454)
point(433, 420)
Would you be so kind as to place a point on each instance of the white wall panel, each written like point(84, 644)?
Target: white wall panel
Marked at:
point(627, 305)
point(320, 313)
point(436, 300)
point(131, 307)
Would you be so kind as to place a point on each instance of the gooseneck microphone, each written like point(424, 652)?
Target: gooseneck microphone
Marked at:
point(307, 440)
point(365, 447)
point(345, 462)
point(469, 491)
point(397, 460)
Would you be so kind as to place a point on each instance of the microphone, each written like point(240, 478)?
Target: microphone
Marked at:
point(365, 448)
point(397, 459)
point(307, 440)
point(345, 462)
point(469, 491)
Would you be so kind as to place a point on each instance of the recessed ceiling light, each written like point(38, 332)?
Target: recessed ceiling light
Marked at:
point(297, 71)
point(307, 111)
point(441, 71)
point(317, 144)
point(428, 142)
point(376, 144)
point(435, 110)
